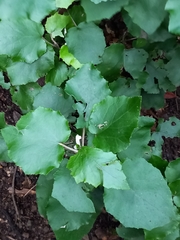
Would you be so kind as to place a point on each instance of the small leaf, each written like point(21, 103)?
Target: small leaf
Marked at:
point(134, 61)
point(173, 7)
point(93, 166)
point(33, 71)
point(87, 78)
point(2, 120)
point(102, 10)
point(81, 39)
point(172, 171)
point(24, 95)
point(56, 23)
point(148, 200)
point(60, 218)
point(112, 62)
point(130, 233)
point(113, 121)
point(68, 58)
point(144, 9)
point(22, 39)
point(55, 98)
point(70, 194)
point(168, 232)
point(58, 74)
point(34, 143)
point(140, 138)
point(63, 3)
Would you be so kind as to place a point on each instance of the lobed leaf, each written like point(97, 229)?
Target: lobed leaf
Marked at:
point(93, 166)
point(34, 143)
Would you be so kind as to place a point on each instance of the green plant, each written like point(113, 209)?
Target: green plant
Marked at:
point(96, 90)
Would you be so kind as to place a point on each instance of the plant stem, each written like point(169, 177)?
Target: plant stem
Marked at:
point(68, 148)
point(72, 19)
point(83, 136)
point(53, 45)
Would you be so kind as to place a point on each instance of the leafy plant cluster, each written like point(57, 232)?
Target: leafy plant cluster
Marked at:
point(94, 90)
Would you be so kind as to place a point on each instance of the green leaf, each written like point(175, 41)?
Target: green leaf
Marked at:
point(88, 78)
point(168, 232)
point(3, 62)
point(112, 62)
point(123, 86)
point(172, 67)
point(172, 171)
point(175, 189)
point(158, 163)
point(63, 3)
point(130, 233)
point(140, 138)
point(83, 45)
point(155, 101)
point(58, 74)
point(3, 151)
point(113, 121)
point(102, 10)
point(93, 166)
point(70, 194)
point(34, 10)
point(170, 128)
point(34, 143)
point(148, 200)
point(3, 84)
point(2, 120)
point(77, 13)
point(173, 7)
point(68, 58)
point(59, 217)
point(134, 61)
point(22, 39)
point(43, 192)
point(144, 9)
point(55, 98)
point(21, 73)
point(24, 95)
point(56, 23)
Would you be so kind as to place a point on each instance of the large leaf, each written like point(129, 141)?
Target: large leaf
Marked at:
point(22, 39)
point(102, 10)
point(147, 204)
point(21, 73)
point(173, 6)
point(83, 44)
point(88, 86)
point(70, 194)
point(142, 10)
point(112, 62)
point(34, 143)
point(55, 98)
point(113, 121)
point(95, 167)
point(34, 10)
